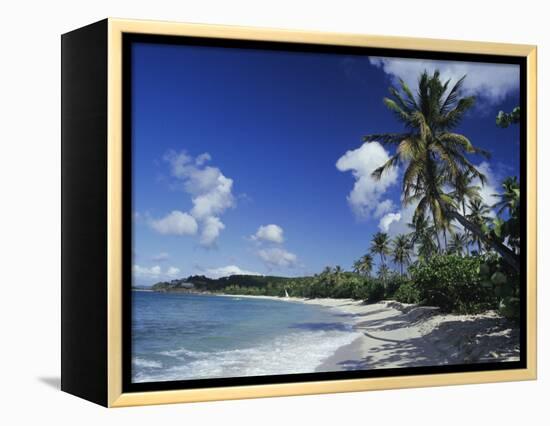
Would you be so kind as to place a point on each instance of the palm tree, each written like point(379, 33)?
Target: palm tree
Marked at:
point(383, 273)
point(364, 265)
point(479, 216)
point(367, 263)
point(337, 274)
point(510, 198)
point(357, 267)
point(432, 153)
point(380, 245)
point(327, 270)
point(421, 227)
point(464, 191)
point(433, 200)
point(401, 250)
point(458, 243)
point(510, 201)
point(426, 248)
point(422, 234)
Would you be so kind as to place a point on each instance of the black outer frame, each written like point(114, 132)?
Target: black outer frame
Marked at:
point(84, 212)
point(127, 385)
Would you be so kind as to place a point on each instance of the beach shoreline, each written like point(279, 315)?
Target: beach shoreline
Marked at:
point(396, 335)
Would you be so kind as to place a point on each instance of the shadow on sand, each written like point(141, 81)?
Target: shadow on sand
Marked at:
point(322, 326)
point(453, 342)
point(365, 314)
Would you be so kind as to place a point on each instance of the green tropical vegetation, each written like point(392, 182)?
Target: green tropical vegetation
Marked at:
point(504, 119)
point(460, 254)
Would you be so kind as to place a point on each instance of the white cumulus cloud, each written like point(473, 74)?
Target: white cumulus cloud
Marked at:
point(215, 200)
point(365, 197)
point(172, 271)
point(143, 271)
point(397, 222)
point(490, 82)
point(210, 191)
point(160, 257)
point(225, 271)
point(202, 158)
point(278, 258)
point(175, 223)
point(383, 207)
point(211, 228)
point(387, 220)
point(149, 275)
point(271, 233)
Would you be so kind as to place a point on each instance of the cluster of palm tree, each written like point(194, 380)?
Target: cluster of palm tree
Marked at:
point(332, 275)
point(421, 242)
point(439, 177)
point(459, 241)
point(399, 248)
point(364, 265)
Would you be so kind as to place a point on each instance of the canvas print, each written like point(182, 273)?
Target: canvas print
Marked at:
point(311, 212)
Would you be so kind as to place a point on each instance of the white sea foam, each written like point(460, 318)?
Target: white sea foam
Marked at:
point(298, 352)
point(146, 363)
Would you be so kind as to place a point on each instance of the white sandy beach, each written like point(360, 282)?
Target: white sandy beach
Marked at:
point(399, 335)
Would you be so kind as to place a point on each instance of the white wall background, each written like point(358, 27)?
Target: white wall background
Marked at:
point(30, 200)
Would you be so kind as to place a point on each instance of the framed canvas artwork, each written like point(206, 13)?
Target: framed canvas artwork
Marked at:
point(254, 212)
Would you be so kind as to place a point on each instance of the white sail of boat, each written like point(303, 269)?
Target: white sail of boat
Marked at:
point(286, 294)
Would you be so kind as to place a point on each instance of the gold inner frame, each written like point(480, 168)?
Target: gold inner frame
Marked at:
point(116, 28)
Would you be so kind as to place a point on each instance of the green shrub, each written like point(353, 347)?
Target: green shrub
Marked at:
point(393, 283)
point(510, 307)
point(453, 283)
point(407, 293)
point(345, 287)
point(499, 278)
point(373, 291)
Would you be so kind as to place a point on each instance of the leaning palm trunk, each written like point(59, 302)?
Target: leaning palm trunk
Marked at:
point(436, 234)
point(466, 231)
point(508, 255)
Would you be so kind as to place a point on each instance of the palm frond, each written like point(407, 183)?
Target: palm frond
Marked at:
point(452, 97)
point(386, 138)
point(446, 156)
point(458, 141)
point(408, 92)
point(408, 148)
point(420, 211)
point(392, 162)
point(401, 114)
point(404, 105)
point(455, 115)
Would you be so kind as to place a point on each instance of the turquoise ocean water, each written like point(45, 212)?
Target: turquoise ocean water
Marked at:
point(187, 336)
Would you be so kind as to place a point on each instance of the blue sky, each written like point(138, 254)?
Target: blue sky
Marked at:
point(252, 161)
